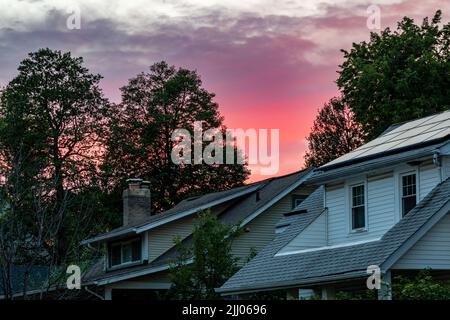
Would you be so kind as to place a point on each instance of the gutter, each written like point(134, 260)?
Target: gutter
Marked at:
point(126, 276)
point(382, 154)
point(357, 274)
point(324, 176)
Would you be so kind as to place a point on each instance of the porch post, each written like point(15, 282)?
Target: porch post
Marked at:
point(328, 293)
point(385, 292)
point(108, 293)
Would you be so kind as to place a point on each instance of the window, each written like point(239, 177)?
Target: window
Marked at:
point(409, 192)
point(297, 199)
point(358, 208)
point(127, 252)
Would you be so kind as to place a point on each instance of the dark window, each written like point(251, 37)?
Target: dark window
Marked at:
point(125, 252)
point(358, 208)
point(116, 254)
point(409, 192)
point(297, 199)
point(136, 250)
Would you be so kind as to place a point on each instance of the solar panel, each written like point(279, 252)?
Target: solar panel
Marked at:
point(403, 135)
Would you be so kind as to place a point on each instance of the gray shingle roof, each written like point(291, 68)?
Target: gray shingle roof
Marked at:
point(267, 271)
point(268, 190)
point(183, 206)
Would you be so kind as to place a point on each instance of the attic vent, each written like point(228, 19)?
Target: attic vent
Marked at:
point(292, 213)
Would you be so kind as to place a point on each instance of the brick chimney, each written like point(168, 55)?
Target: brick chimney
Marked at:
point(136, 201)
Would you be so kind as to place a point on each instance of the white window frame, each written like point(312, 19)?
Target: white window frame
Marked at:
point(123, 264)
point(400, 189)
point(350, 206)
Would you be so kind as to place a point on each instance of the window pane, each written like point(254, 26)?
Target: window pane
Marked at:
point(115, 255)
point(136, 250)
point(408, 203)
point(358, 196)
point(409, 185)
point(358, 220)
point(126, 253)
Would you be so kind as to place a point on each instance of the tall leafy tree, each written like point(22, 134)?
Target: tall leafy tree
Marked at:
point(398, 75)
point(154, 104)
point(51, 122)
point(334, 133)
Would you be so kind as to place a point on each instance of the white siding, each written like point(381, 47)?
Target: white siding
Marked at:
point(432, 251)
point(337, 214)
point(380, 206)
point(382, 201)
point(445, 167)
point(430, 176)
point(313, 236)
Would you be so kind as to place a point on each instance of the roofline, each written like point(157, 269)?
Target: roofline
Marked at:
point(382, 154)
point(357, 168)
point(130, 275)
point(274, 200)
point(411, 241)
point(194, 210)
point(148, 226)
point(294, 283)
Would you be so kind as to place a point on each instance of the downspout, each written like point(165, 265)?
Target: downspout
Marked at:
point(437, 161)
point(326, 226)
point(94, 293)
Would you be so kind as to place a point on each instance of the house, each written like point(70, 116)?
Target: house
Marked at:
point(382, 209)
point(138, 253)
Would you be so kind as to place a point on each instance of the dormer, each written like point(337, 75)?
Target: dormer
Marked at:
point(371, 188)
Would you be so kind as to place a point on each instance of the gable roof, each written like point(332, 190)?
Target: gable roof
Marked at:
point(399, 138)
point(269, 271)
point(184, 208)
point(270, 192)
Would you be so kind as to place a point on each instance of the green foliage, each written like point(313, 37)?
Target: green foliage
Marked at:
point(360, 295)
point(421, 287)
point(154, 104)
point(212, 261)
point(333, 134)
point(398, 76)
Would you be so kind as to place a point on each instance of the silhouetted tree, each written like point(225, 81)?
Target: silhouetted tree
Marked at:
point(52, 116)
point(334, 133)
point(154, 104)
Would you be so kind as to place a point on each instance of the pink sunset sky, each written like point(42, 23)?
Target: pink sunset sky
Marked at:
point(271, 63)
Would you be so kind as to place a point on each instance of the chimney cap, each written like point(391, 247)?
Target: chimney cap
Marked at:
point(134, 181)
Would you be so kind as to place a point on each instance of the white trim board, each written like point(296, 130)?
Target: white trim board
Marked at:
point(342, 245)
